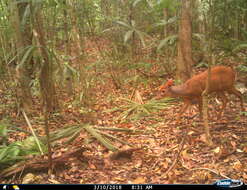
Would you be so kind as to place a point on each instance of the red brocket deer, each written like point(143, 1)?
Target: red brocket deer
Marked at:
point(222, 80)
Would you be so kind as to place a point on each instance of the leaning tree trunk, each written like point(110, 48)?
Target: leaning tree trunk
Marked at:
point(184, 58)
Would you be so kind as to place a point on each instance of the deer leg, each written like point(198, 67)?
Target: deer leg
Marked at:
point(183, 110)
point(224, 103)
point(239, 95)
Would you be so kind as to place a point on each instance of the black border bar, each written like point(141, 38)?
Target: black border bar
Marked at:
point(112, 187)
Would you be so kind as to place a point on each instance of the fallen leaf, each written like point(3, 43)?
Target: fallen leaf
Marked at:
point(29, 178)
point(216, 150)
point(245, 149)
point(119, 179)
point(139, 180)
point(185, 155)
point(191, 132)
point(237, 165)
point(233, 143)
point(239, 150)
point(165, 164)
point(92, 166)
point(203, 138)
point(244, 176)
point(54, 181)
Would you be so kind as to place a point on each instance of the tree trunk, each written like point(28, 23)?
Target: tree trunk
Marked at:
point(66, 30)
point(184, 58)
point(165, 15)
point(106, 10)
point(79, 42)
point(211, 37)
point(48, 92)
point(50, 102)
point(23, 38)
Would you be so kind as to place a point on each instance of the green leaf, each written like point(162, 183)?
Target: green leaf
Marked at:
point(3, 130)
point(165, 22)
point(124, 24)
point(13, 151)
point(27, 55)
point(136, 2)
point(3, 152)
point(128, 35)
point(199, 36)
point(141, 36)
point(165, 41)
point(240, 47)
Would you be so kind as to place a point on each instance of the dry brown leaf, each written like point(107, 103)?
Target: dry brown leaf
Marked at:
point(217, 150)
point(165, 164)
point(185, 155)
point(107, 162)
point(191, 132)
point(203, 138)
point(245, 149)
point(237, 165)
point(244, 176)
point(235, 136)
point(209, 175)
point(239, 150)
point(139, 180)
point(119, 179)
point(138, 97)
point(53, 181)
point(138, 163)
point(233, 143)
point(158, 170)
point(226, 160)
point(92, 166)
point(28, 178)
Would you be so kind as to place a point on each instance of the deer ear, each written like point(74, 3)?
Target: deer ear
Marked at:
point(168, 84)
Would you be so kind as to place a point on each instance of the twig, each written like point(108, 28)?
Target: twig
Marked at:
point(211, 170)
point(21, 172)
point(208, 169)
point(177, 156)
point(169, 149)
point(33, 133)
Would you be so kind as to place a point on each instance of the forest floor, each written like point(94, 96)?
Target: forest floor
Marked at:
point(164, 152)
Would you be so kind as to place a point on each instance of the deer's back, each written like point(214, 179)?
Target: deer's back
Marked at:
point(222, 78)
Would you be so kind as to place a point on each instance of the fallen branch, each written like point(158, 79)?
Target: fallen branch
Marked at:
point(41, 163)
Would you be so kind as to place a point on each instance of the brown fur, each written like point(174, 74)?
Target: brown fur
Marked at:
point(222, 80)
